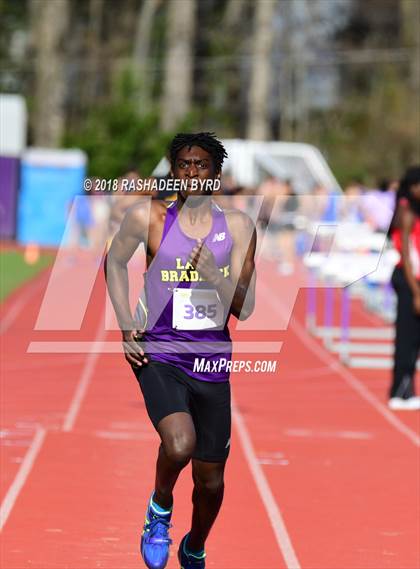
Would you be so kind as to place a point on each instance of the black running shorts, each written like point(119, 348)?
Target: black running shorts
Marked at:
point(166, 390)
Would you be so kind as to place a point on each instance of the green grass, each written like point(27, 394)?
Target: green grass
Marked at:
point(14, 271)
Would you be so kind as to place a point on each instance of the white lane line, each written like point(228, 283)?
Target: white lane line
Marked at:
point(270, 504)
point(355, 384)
point(315, 433)
point(25, 468)
point(348, 377)
point(84, 380)
point(17, 306)
point(21, 476)
point(38, 282)
point(13, 312)
point(33, 451)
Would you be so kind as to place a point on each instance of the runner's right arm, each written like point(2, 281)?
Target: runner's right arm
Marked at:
point(131, 233)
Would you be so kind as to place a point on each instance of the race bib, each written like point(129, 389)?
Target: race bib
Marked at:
point(196, 309)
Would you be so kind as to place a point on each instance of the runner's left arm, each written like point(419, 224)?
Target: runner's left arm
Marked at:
point(407, 224)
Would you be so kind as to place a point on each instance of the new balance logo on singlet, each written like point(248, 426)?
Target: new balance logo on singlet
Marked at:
point(219, 236)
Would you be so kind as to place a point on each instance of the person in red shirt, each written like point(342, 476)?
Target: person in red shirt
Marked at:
point(405, 234)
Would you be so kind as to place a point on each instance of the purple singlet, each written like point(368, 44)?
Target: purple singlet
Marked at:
point(186, 321)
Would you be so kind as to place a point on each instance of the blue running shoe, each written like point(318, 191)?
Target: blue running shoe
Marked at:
point(190, 560)
point(155, 539)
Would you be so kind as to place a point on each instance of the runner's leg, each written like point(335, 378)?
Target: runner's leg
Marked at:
point(178, 438)
point(207, 499)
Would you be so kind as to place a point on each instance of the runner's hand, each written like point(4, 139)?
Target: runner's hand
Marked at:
point(204, 262)
point(133, 352)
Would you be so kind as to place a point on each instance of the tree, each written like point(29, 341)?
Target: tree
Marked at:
point(141, 52)
point(50, 21)
point(96, 13)
point(116, 139)
point(179, 62)
point(233, 13)
point(259, 92)
point(410, 15)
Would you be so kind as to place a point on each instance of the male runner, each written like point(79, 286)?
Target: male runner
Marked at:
point(200, 270)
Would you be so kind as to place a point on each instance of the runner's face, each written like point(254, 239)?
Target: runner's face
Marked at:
point(194, 163)
point(415, 191)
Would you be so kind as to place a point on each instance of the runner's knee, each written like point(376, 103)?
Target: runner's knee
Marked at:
point(209, 482)
point(178, 438)
point(179, 447)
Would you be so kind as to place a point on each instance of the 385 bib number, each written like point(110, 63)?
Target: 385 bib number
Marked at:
point(196, 309)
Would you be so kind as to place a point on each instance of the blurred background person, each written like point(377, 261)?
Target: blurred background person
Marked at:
point(405, 233)
point(229, 191)
point(378, 205)
point(271, 189)
point(317, 204)
point(351, 205)
point(100, 205)
point(81, 222)
point(285, 214)
point(121, 200)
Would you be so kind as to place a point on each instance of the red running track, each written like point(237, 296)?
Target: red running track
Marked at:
point(321, 474)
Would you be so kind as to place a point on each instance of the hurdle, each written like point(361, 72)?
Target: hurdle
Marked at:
point(359, 259)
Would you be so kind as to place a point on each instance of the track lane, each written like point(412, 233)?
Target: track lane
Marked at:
point(297, 425)
point(346, 480)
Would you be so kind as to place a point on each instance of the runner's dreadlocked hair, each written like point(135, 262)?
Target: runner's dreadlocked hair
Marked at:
point(205, 140)
point(410, 178)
